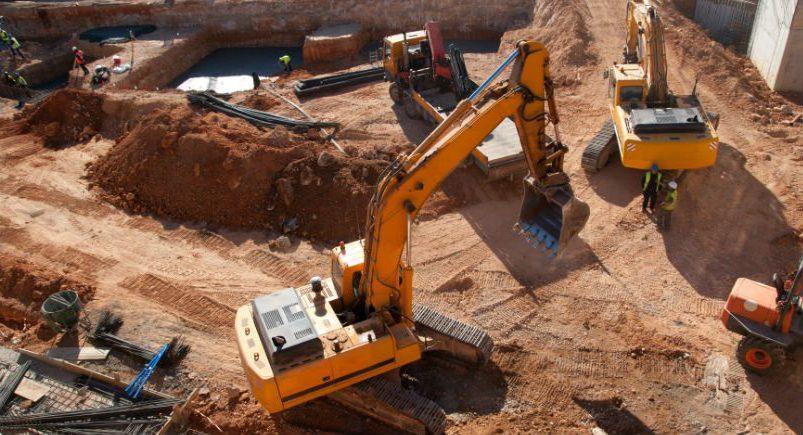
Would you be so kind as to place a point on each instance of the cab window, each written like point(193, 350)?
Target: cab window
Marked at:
point(387, 50)
point(631, 93)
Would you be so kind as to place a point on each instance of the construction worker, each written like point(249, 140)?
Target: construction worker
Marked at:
point(101, 76)
point(79, 61)
point(285, 60)
point(16, 48)
point(15, 80)
point(649, 188)
point(668, 205)
point(5, 38)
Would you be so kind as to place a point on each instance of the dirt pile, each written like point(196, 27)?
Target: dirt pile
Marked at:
point(23, 288)
point(67, 117)
point(201, 166)
point(728, 73)
point(561, 26)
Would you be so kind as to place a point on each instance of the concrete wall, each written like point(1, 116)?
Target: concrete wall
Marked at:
point(460, 18)
point(776, 44)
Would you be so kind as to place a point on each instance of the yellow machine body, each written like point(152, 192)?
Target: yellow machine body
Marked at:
point(669, 150)
point(396, 47)
point(351, 354)
point(652, 125)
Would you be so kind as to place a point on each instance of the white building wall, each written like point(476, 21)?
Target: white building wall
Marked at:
point(776, 45)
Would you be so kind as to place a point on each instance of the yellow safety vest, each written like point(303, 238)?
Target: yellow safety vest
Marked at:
point(285, 59)
point(14, 43)
point(647, 180)
point(670, 201)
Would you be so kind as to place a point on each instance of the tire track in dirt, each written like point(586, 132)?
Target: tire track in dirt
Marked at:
point(58, 255)
point(200, 238)
point(200, 309)
point(84, 207)
point(276, 267)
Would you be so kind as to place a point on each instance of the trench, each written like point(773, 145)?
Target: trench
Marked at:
point(227, 70)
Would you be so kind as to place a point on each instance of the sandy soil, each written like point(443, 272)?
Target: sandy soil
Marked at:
point(621, 332)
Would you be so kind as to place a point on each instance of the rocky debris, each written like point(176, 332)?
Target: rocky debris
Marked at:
point(67, 117)
point(281, 243)
point(24, 286)
point(200, 166)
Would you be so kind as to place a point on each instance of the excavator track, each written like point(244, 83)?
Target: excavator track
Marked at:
point(461, 341)
point(599, 150)
point(386, 400)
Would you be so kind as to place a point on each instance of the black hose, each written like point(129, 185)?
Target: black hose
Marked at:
point(253, 116)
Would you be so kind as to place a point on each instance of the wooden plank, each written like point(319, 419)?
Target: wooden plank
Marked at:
point(72, 368)
point(31, 390)
point(79, 353)
point(180, 416)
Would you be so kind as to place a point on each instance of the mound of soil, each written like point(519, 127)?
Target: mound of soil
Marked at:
point(203, 166)
point(65, 118)
point(561, 26)
point(727, 72)
point(24, 287)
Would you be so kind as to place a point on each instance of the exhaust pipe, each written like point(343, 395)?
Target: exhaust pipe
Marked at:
point(550, 216)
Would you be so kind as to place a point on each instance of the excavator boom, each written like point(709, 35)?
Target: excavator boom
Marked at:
point(319, 339)
point(550, 214)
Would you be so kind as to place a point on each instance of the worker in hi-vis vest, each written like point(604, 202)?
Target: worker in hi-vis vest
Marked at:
point(650, 183)
point(668, 205)
point(285, 60)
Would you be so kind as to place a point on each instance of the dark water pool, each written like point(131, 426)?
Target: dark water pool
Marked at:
point(100, 34)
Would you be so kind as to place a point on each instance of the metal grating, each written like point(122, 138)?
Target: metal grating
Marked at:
point(272, 319)
point(730, 22)
point(303, 333)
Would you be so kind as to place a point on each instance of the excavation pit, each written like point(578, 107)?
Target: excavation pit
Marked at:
point(228, 70)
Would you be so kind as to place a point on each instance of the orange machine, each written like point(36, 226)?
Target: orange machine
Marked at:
point(320, 339)
point(769, 318)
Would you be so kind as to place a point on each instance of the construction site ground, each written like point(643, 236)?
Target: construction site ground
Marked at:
point(621, 332)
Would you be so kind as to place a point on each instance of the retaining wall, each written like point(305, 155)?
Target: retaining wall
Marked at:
point(469, 19)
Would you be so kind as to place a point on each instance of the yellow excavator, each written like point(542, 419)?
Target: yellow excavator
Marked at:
point(347, 336)
point(649, 125)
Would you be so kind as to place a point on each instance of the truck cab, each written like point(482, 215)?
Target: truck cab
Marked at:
point(403, 52)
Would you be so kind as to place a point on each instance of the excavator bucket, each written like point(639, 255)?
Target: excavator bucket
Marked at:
point(550, 216)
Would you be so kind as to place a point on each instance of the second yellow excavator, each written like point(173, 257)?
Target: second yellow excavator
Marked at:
point(649, 125)
point(344, 337)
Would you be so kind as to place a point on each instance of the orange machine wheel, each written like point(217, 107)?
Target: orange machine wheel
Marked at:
point(760, 356)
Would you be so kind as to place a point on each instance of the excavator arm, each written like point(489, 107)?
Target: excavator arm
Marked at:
point(645, 46)
point(550, 215)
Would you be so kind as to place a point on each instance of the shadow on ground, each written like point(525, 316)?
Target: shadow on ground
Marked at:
point(612, 417)
point(782, 392)
point(493, 221)
point(458, 389)
point(615, 183)
point(728, 225)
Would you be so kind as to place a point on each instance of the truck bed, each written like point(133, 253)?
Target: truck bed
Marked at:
point(500, 154)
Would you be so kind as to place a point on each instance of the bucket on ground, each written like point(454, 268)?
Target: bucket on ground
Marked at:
point(62, 310)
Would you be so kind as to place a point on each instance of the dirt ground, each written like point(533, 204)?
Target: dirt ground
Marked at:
point(621, 332)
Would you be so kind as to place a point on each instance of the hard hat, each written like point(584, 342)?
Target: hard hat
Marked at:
point(75, 49)
point(15, 74)
point(673, 185)
point(654, 167)
point(115, 57)
point(98, 68)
